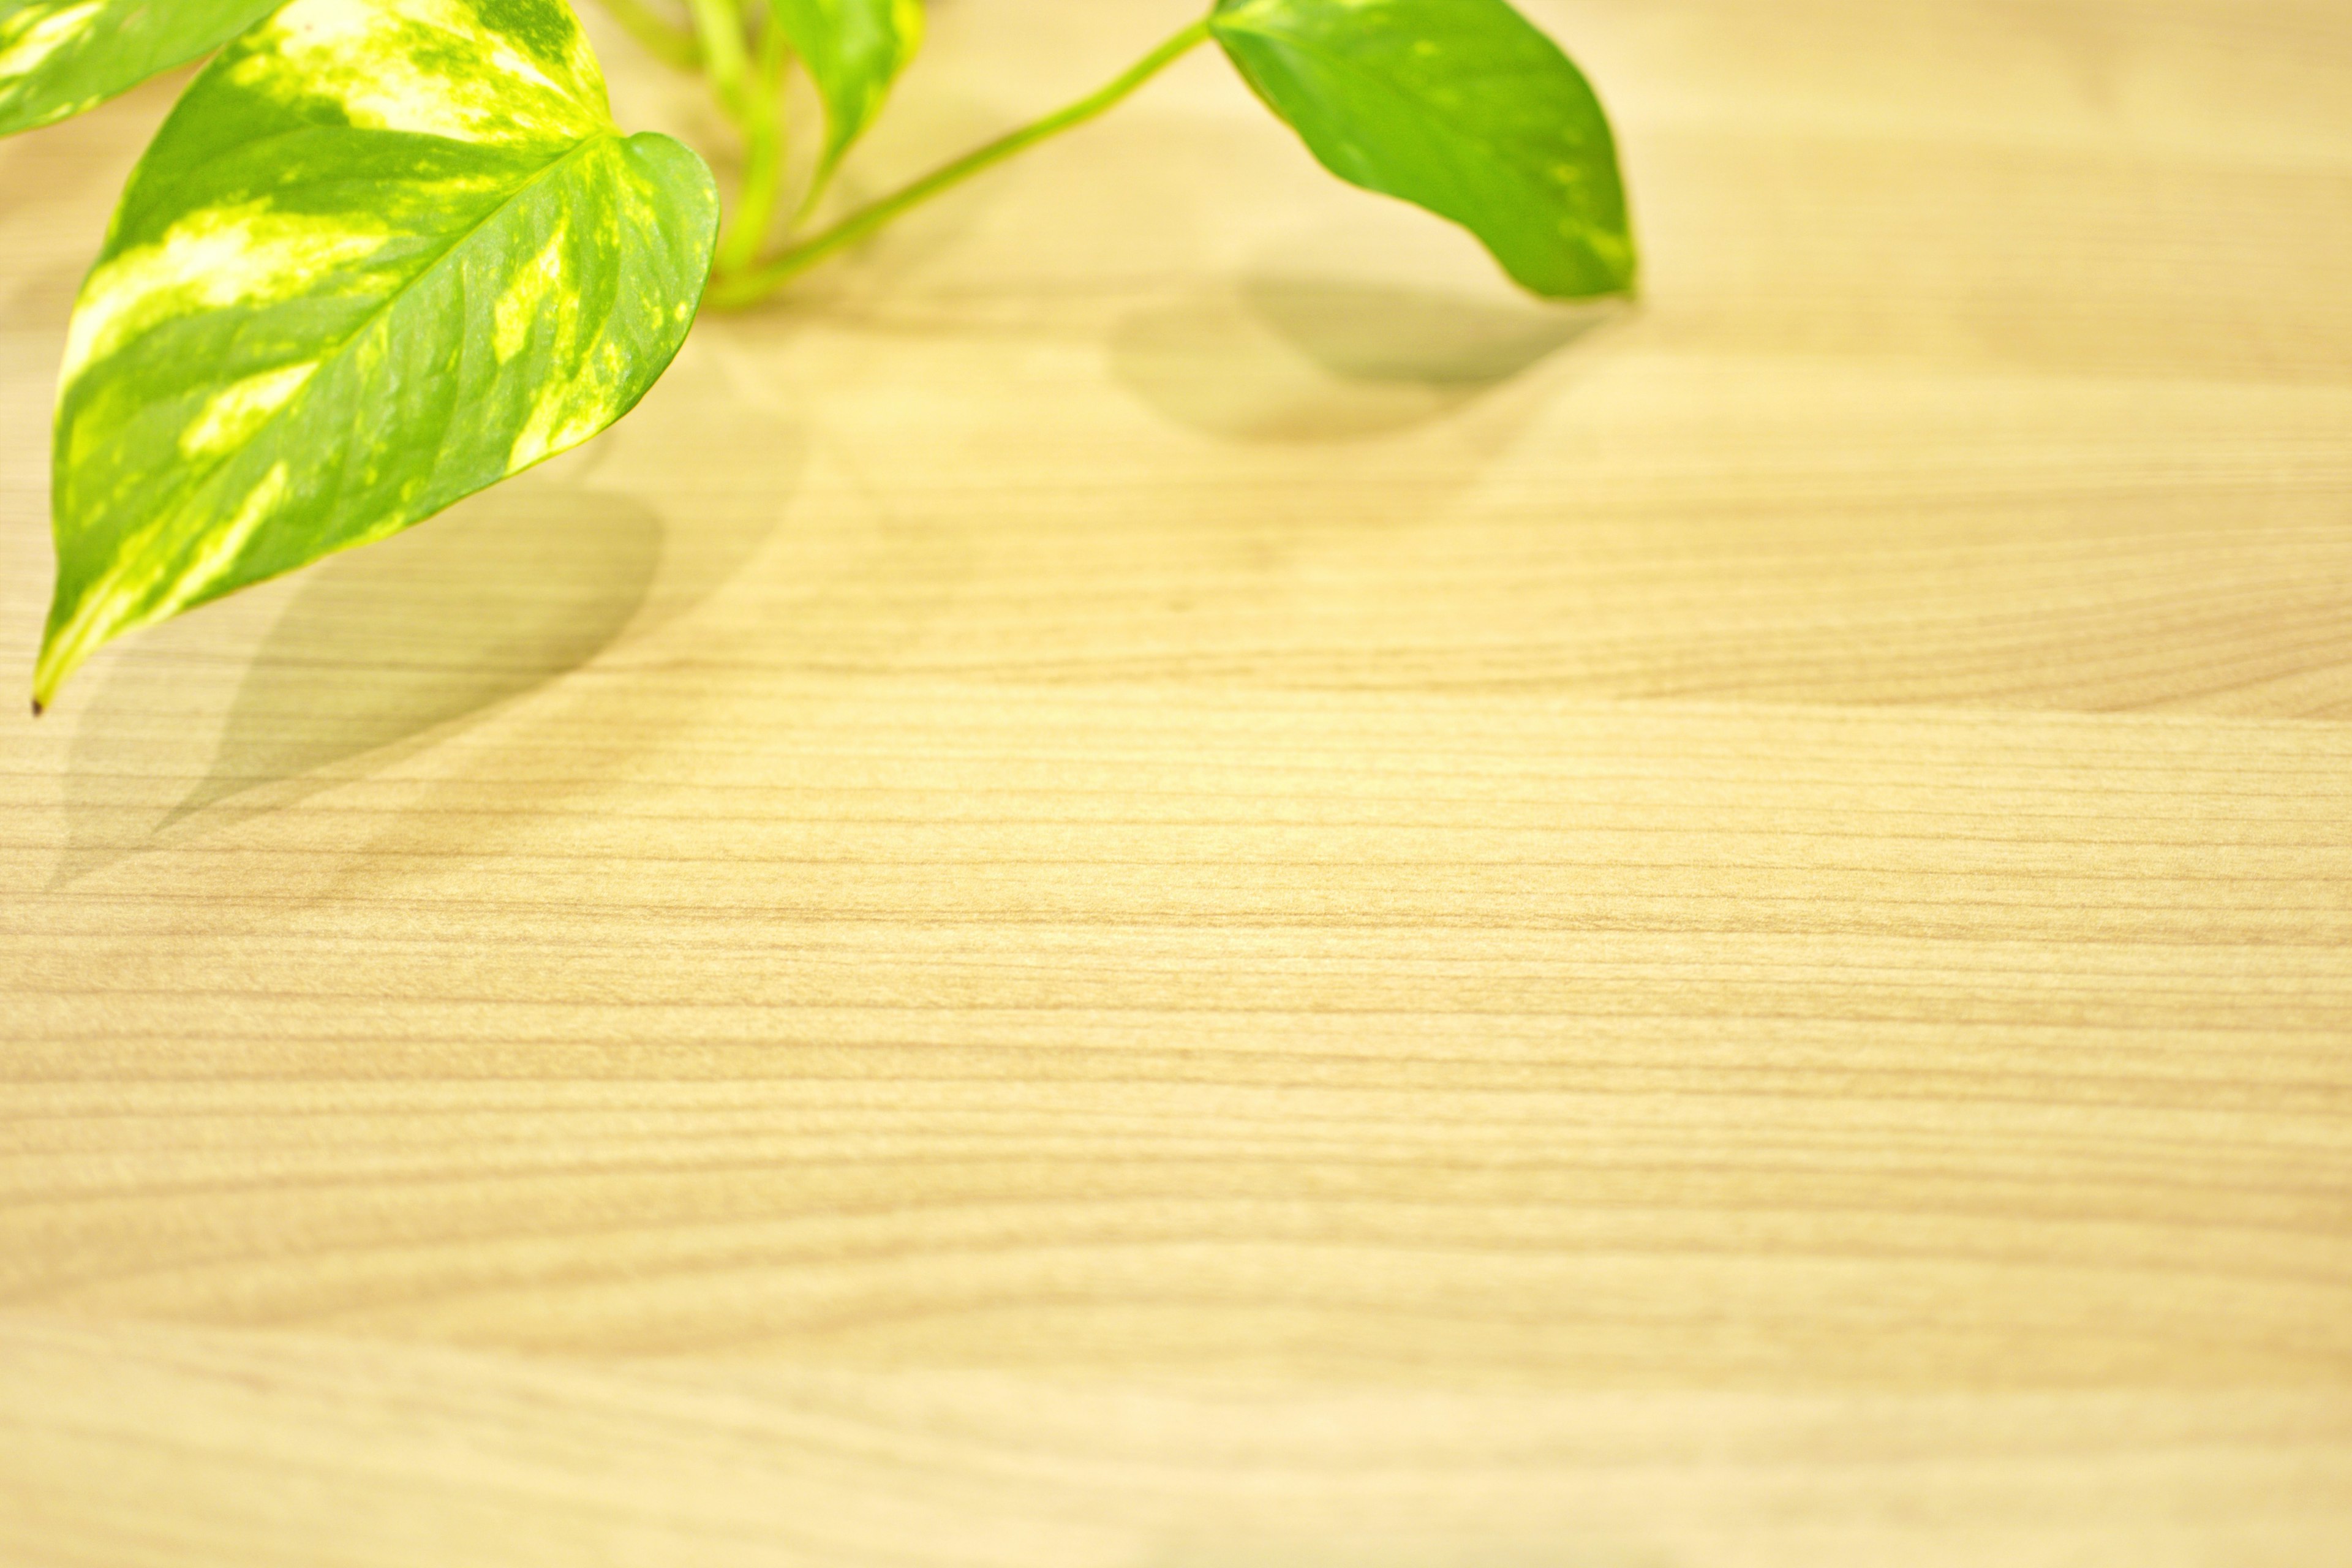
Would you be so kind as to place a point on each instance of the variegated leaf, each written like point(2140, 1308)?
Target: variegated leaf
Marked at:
point(59, 58)
point(855, 49)
point(383, 254)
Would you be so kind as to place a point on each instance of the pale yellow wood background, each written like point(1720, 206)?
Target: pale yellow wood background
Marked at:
point(1161, 884)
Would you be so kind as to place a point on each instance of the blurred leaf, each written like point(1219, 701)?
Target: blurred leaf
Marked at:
point(59, 58)
point(853, 49)
point(383, 254)
point(1459, 106)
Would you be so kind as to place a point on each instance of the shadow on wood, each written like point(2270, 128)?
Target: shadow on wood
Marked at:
point(1297, 359)
point(378, 652)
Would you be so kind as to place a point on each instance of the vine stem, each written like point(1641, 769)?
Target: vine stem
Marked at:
point(719, 31)
point(733, 290)
point(760, 104)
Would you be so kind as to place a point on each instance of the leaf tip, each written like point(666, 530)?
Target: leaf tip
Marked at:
point(51, 670)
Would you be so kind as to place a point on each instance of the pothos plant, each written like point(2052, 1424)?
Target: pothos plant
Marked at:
point(386, 253)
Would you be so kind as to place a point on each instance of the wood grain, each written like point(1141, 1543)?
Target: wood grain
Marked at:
point(1161, 884)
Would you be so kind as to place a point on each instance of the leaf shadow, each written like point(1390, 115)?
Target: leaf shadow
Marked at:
point(377, 653)
point(1286, 357)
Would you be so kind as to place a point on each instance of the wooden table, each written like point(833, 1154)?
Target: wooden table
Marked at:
point(1160, 883)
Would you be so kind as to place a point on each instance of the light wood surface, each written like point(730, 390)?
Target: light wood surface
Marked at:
point(1161, 884)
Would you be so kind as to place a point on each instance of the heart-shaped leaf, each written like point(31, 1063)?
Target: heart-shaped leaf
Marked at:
point(1460, 106)
point(853, 49)
point(383, 254)
point(59, 58)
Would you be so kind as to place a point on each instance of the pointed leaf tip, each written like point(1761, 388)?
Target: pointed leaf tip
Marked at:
point(1463, 106)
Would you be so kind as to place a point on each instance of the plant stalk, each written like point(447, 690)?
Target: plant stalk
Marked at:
point(719, 31)
point(731, 289)
point(762, 121)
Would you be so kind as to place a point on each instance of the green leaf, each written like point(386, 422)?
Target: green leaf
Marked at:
point(59, 58)
point(1459, 106)
point(853, 49)
point(383, 254)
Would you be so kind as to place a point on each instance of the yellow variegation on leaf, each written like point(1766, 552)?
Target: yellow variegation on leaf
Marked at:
point(384, 254)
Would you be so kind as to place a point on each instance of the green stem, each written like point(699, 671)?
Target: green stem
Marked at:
point(764, 153)
point(664, 40)
point(719, 28)
point(728, 291)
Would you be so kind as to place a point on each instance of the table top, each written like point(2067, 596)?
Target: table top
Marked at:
point(1155, 881)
